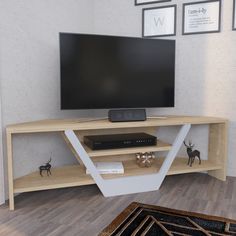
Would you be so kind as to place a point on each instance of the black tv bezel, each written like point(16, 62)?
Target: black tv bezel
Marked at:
point(107, 107)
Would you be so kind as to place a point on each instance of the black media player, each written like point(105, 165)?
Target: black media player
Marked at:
point(99, 142)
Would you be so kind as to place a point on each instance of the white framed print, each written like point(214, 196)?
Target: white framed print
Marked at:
point(202, 17)
point(234, 15)
point(159, 21)
point(142, 2)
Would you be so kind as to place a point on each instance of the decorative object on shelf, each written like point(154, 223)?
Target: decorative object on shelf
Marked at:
point(46, 167)
point(145, 159)
point(159, 21)
point(192, 154)
point(201, 17)
point(142, 2)
point(234, 15)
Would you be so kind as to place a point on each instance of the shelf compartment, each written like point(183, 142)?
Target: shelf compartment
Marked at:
point(62, 177)
point(71, 176)
point(159, 147)
point(179, 166)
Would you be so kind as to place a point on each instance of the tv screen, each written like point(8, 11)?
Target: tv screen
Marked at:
point(116, 72)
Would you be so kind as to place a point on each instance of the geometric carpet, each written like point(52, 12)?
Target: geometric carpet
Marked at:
point(147, 220)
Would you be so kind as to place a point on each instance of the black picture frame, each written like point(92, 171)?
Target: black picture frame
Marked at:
point(154, 8)
point(202, 32)
point(234, 15)
point(151, 2)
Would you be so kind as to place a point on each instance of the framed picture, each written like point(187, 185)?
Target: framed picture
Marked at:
point(202, 17)
point(142, 2)
point(159, 21)
point(234, 15)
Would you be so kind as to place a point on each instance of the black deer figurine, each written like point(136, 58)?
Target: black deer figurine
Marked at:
point(46, 167)
point(192, 154)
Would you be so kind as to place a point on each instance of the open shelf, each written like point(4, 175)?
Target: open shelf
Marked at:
point(70, 176)
point(66, 176)
point(159, 147)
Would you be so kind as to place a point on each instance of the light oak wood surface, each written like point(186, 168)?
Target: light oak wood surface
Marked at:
point(70, 176)
point(84, 124)
point(218, 148)
point(160, 147)
point(10, 168)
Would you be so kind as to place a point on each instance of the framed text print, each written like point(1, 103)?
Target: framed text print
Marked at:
point(201, 17)
point(142, 2)
point(234, 15)
point(159, 21)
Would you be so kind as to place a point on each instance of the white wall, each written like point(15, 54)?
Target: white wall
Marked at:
point(205, 65)
point(29, 72)
point(2, 194)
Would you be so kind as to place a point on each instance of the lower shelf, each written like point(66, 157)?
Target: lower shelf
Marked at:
point(71, 176)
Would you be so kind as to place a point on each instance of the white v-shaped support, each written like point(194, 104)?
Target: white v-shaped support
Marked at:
point(130, 184)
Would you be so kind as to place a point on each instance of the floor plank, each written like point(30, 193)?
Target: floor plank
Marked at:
point(84, 211)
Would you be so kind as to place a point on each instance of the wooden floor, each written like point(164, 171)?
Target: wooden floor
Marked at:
point(84, 211)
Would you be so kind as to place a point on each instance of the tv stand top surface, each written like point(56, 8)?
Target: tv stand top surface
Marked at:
point(95, 124)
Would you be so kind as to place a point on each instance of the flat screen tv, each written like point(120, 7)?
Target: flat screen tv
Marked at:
point(99, 72)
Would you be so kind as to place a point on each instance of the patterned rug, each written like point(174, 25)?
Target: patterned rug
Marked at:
point(146, 220)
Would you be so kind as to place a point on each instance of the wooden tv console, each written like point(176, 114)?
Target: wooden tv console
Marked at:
point(135, 179)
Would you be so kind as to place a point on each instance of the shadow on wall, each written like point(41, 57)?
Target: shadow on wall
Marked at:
point(2, 193)
point(220, 85)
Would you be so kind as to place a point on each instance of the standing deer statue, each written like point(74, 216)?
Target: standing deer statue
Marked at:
point(46, 167)
point(192, 154)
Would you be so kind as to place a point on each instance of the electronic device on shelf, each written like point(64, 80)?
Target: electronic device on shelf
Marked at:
point(110, 141)
point(111, 72)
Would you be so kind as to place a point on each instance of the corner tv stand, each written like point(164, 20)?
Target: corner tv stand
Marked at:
point(135, 179)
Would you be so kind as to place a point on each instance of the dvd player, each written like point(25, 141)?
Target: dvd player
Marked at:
point(99, 142)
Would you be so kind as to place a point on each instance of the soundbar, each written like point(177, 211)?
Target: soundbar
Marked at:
point(127, 115)
point(111, 141)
